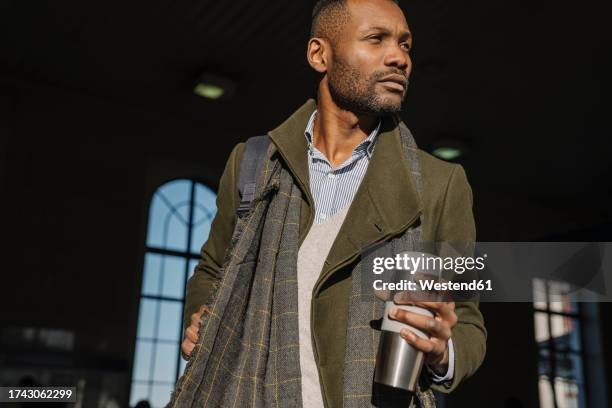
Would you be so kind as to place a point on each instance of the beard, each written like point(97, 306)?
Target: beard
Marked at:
point(352, 91)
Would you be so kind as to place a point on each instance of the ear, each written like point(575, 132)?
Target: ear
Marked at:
point(318, 54)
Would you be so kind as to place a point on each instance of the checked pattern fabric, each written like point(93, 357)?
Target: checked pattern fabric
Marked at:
point(247, 353)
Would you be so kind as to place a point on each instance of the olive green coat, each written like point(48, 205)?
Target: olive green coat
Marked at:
point(386, 204)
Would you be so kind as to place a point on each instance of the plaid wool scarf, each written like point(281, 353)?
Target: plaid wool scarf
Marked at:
point(247, 354)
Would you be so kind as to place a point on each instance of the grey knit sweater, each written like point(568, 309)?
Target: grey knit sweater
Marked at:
point(311, 256)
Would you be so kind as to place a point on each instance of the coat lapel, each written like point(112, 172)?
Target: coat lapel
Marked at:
point(385, 204)
point(292, 145)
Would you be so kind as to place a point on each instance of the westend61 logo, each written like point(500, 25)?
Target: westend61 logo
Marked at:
point(427, 263)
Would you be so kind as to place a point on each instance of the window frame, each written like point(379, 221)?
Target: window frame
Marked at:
point(190, 259)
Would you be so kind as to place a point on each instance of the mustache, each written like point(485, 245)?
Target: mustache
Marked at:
point(381, 74)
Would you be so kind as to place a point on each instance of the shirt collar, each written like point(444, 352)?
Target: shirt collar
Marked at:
point(367, 144)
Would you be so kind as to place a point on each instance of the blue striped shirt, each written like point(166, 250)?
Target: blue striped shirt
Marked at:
point(334, 188)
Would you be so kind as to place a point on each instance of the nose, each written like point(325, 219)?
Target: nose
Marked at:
point(399, 58)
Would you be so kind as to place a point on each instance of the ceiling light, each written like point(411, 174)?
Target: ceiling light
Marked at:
point(213, 86)
point(209, 91)
point(447, 153)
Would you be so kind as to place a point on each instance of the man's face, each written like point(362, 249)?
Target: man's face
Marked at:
point(371, 62)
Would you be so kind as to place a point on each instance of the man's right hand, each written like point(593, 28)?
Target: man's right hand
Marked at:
point(192, 333)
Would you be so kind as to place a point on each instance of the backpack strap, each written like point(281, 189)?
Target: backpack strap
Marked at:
point(250, 168)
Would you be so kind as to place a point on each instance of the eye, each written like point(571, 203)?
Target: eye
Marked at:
point(376, 38)
point(406, 46)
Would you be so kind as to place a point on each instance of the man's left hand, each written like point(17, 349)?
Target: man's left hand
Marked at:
point(438, 328)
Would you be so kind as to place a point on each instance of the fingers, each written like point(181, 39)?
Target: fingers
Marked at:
point(195, 317)
point(438, 306)
point(407, 296)
point(187, 347)
point(191, 338)
point(446, 310)
point(434, 327)
point(192, 333)
point(430, 347)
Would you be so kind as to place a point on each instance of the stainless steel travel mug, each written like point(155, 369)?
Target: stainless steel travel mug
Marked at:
point(398, 364)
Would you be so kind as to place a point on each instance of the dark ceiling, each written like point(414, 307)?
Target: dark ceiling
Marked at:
point(524, 84)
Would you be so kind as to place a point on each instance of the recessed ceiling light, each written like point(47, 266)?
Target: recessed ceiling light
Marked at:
point(208, 91)
point(447, 153)
point(213, 86)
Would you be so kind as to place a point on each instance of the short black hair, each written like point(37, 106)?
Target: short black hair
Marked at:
point(329, 17)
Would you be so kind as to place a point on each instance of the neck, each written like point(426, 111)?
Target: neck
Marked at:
point(336, 131)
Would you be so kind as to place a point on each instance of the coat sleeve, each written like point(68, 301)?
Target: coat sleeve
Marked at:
point(213, 252)
point(456, 225)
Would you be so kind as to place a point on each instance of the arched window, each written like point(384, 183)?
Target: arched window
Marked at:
point(180, 216)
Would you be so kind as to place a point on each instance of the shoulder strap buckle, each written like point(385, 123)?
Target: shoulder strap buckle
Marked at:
point(250, 168)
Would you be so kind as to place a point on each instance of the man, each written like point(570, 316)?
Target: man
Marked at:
point(354, 187)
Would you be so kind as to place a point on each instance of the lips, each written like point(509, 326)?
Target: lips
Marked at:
point(395, 81)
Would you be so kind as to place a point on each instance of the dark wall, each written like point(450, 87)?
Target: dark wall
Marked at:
point(78, 173)
point(508, 373)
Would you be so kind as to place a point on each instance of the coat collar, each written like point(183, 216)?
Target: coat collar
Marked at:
point(386, 202)
point(293, 146)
